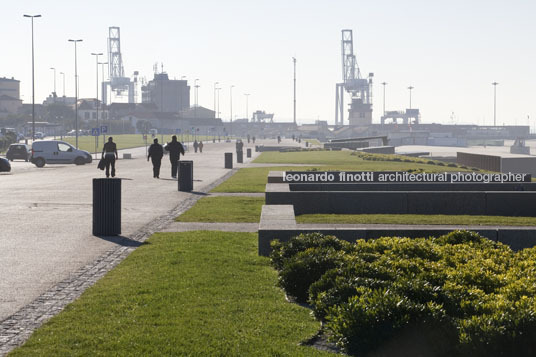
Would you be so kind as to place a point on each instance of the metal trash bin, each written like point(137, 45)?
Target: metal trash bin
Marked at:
point(248, 153)
point(239, 157)
point(106, 206)
point(228, 160)
point(186, 175)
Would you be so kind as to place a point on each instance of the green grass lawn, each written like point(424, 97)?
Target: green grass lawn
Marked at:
point(126, 141)
point(252, 179)
point(248, 210)
point(224, 209)
point(181, 294)
point(416, 219)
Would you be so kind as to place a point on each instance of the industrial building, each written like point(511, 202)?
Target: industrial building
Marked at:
point(10, 101)
point(169, 96)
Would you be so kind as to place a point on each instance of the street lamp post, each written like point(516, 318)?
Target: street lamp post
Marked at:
point(196, 87)
point(231, 102)
point(218, 96)
point(384, 84)
point(410, 89)
point(215, 83)
point(102, 101)
point(54, 69)
point(247, 95)
point(33, 78)
point(97, 97)
point(294, 61)
point(494, 103)
point(75, 91)
point(63, 74)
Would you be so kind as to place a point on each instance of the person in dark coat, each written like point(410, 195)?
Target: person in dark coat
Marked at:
point(175, 150)
point(156, 152)
point(200, 146)
point(109, 155)
point(196, 145)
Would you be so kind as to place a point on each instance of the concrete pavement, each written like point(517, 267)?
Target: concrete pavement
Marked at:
point(46, 216)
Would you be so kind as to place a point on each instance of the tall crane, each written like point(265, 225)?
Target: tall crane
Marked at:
point(118, 82)
point(360, 89)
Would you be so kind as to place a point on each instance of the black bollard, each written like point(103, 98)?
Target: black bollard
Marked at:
point(228, 160)
point(248, 153)
point(106, 207)
point(186, 175)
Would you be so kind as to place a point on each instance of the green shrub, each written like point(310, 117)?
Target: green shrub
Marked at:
point(475, 296)
point(306, 267)
point(283, 251)
point(374, 317)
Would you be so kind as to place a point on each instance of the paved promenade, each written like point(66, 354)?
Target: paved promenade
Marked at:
point(49, 256)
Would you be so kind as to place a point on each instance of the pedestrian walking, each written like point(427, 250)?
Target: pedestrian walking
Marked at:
point(156, 152)
point(196, 145)
point(200, 146)
point(109, 155)
point(239, 146)
point(175, 150)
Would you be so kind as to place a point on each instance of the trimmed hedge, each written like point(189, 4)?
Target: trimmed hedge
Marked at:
point(456, 295)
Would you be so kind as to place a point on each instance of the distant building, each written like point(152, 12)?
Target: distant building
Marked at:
point(170, 96)
point(87, 109)
point(54, 99)
point(10, 101)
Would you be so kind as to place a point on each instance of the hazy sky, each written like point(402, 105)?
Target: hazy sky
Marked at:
point(450, 51)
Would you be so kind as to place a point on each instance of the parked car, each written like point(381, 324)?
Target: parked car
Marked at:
point(39, 135)
point(18, 152)
point(5, 166)
point(58, 152)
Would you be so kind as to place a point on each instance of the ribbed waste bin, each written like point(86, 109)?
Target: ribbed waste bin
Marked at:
point(186, 175)
point(228, 160)
point(240, 157)
point(106, 207)
point(248, 153)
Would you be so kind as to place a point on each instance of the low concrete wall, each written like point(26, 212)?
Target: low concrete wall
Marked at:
point(491, 203)
point(379, 150)
point(433, 186)
point(278, 222)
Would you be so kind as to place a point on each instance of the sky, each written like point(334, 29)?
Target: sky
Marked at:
point(449, 51)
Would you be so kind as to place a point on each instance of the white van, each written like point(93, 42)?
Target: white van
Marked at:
point(58, 152)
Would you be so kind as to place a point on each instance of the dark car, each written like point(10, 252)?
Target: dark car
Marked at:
point(18, 151)
point(5, 166)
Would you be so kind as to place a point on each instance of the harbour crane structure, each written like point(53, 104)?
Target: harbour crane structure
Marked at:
point(118, 83)
point(360, 89)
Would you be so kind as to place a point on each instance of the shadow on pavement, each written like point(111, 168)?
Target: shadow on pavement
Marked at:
point(123, 241)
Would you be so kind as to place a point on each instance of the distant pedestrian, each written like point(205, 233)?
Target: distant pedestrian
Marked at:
point(249, 138)
point(109, 155)
point(196, 145)
point(278, 139)
point(156, 152)
point(253, 138)
point(200, 146)
point(175, 150)
point(239, 145)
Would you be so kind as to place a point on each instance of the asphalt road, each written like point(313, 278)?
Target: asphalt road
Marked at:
point(46, 216)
